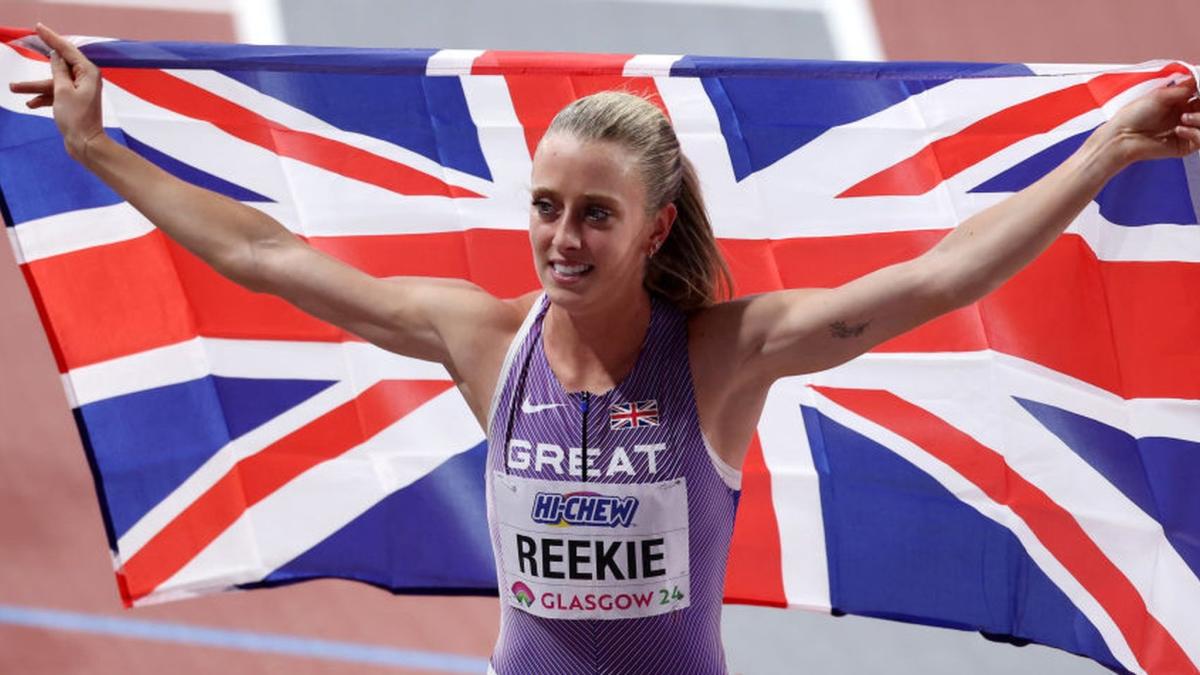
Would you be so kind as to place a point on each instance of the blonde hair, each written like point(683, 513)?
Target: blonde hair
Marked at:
point(688, 269)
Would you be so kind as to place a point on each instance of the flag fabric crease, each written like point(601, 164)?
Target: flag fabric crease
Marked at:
point(1026, 466)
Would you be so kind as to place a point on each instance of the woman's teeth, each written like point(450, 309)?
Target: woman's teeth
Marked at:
point(571, 270)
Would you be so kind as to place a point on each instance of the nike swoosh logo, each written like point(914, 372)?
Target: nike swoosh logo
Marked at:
point(530, 408)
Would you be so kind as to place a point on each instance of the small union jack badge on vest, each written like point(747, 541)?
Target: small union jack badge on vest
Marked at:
point(633, 415)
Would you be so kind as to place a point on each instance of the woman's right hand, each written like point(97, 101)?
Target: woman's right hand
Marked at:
point(73, 91)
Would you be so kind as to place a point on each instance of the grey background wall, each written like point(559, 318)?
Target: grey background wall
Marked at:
point(623, 26)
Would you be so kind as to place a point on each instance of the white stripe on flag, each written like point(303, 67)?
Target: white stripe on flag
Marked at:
point(452, 62)
point(650, 65)
point(927, 372)
point(796, 495)
point(76, 230)
point(502, 139)
point(290, 521)
point(359, 362)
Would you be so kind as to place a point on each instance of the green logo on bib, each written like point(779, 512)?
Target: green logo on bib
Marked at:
point(523, 593)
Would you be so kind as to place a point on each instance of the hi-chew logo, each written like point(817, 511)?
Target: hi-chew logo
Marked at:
point(583, 508)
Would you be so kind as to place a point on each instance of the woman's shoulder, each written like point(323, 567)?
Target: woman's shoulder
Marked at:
point(713, 335)
point(744, 316)
point(477, 308)
point(711, 321)
point(470, 322)
point(725, 337)
point(523, 304)
point(499, 320)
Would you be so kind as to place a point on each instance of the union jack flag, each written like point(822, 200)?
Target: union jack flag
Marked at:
point(633, 415)
point(1026, 466)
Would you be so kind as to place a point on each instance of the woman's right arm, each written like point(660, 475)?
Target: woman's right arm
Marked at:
point(255, 251)
point(450, 321)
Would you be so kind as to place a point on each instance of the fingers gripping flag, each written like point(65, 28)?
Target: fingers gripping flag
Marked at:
point(1025, 466)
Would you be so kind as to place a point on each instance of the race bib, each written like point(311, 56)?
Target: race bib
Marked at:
point(586, 551)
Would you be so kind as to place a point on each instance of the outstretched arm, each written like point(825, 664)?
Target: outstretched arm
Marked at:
point(424, 318)
point(806, 330)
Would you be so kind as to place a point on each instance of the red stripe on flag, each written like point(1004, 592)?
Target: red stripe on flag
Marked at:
point(8, 33)
point(500, 261)
point(948, 156)
point(500, 62)
point(754, 575)
point(1155, 648)
point(106, 301)
point(256, 477)
point(118, 299)
point(1163, 323)
point(1128, 327)
point(189, 100)
point(1067, 311)
point(542, 83)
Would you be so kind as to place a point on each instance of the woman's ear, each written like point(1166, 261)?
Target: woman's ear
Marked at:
point(663, 221)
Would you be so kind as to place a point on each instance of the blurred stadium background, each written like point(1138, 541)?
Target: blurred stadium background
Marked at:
point(59, 609)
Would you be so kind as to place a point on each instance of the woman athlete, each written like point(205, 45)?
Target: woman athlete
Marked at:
point(618, 402)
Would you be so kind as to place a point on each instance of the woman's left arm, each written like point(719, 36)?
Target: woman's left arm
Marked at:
point(805, 330)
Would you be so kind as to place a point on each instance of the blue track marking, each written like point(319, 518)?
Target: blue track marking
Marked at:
point(250, 641)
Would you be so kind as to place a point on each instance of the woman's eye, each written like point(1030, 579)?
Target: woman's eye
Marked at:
point(597, 213)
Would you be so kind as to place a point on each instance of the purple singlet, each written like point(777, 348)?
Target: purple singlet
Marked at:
point(616, 565)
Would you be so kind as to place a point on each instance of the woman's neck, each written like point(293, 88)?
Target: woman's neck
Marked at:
point(595, 351)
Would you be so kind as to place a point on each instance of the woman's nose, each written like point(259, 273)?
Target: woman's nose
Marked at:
point(567, 234)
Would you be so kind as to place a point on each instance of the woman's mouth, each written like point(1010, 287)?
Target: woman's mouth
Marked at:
point(567, 273)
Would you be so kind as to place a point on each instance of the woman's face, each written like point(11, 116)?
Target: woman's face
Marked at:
point(588, 222)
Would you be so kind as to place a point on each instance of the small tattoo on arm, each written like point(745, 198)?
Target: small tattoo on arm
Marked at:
point(840, 329)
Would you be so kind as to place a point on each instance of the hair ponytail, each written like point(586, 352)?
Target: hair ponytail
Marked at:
point(688, 270)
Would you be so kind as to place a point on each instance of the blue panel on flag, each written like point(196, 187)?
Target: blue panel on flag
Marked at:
point(929, 72)
point(217, 56)
point(427, 115)
point(250, 402)
point(431, 536)
point(1161, 186)
point(901, 546)
point(188, 172)
point(1158, 474)
point(146, 443)
point(1162, 195)
point(766, 118)
point(33, 142)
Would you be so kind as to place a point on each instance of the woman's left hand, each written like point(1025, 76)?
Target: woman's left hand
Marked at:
point(1163, 123)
